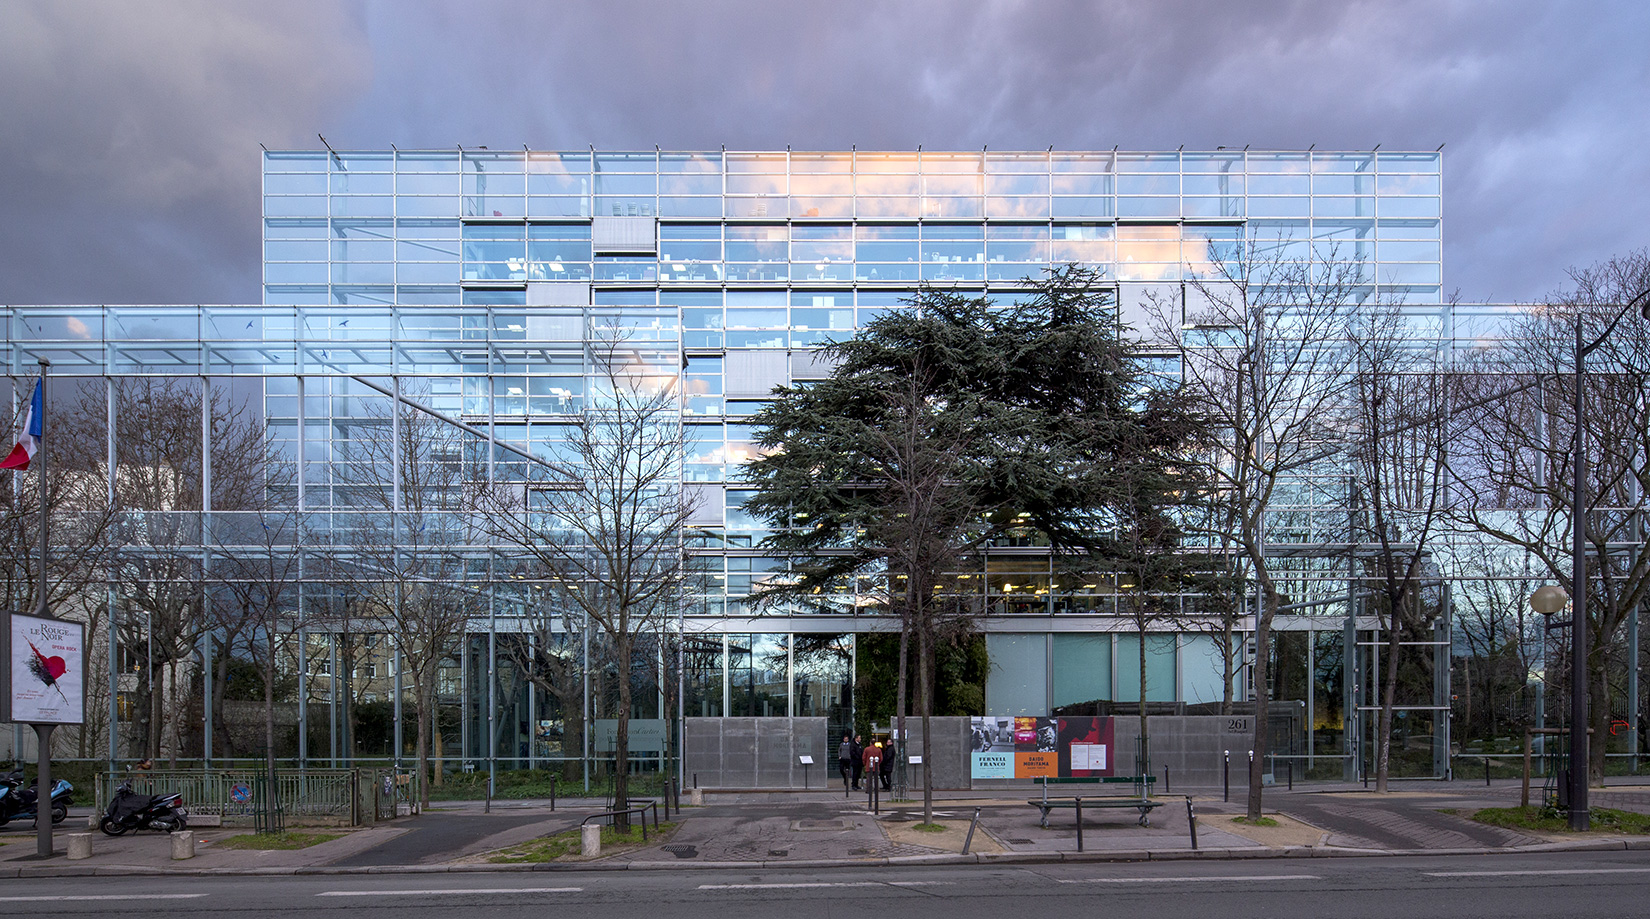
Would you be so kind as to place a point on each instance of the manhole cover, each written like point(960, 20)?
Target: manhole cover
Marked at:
point(681, 851)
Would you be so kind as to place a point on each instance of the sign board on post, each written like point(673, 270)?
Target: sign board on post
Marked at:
point(42, 667)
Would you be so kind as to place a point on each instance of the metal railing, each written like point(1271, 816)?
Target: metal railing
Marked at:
point(234, 794)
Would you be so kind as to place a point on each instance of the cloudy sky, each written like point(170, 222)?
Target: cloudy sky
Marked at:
point(129, 132)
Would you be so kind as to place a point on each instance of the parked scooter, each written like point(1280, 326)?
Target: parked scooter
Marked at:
point(19, 803)
point(130, 811)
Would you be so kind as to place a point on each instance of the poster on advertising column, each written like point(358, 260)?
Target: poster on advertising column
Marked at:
point(45, 676)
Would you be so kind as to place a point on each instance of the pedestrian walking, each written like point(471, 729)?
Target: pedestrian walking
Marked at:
point(858, 761)
point(873, 764)
point(845, 761)
point(888, 757)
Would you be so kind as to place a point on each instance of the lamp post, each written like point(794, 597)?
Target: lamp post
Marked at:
point(1550, 595)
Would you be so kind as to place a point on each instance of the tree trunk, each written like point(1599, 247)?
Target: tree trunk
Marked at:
point(1263, 694)
point(902, 690)
point(1389, 696)
point(1143, 763)
point(219, 687)
point(925, 681)
point(1598, 718)
point(621, 739)
point(422, 697)
point(1228, 656)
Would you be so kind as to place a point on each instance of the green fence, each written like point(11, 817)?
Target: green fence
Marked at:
point(238, 795)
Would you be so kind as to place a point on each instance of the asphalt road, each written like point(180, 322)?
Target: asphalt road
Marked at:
point(1550, 886)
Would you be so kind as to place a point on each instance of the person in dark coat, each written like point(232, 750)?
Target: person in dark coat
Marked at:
point(845, 761)
point(859, 761)
point(888, 765)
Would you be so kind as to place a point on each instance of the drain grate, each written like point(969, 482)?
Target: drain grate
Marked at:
point(778, 853)
point(682, 851)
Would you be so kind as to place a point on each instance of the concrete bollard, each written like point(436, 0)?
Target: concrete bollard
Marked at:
point(80, 846)
point(93, 821)
point(696, 797)
point(590, 839)
point(183, 845)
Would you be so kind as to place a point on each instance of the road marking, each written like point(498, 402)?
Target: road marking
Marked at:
point(121, 896)
point(796, 886)
point(920, 883)
point(1183, 880)
point(1508, 874)
point(449, 891)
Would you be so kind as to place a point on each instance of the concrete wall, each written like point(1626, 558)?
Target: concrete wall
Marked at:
point(755, 752)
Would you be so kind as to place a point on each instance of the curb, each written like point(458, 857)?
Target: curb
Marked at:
point(994, 858)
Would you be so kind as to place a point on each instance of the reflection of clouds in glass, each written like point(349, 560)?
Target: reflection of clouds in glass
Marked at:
point(78, 329)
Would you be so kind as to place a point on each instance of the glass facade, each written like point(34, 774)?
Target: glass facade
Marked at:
point(473, 281)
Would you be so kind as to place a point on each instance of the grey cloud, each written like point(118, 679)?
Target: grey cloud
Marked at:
point(130, 150)
point(1539, 103)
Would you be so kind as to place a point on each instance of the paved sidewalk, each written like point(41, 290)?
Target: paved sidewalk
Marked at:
point(820, 828)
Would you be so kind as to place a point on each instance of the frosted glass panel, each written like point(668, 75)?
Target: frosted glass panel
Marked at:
point(1018, 684)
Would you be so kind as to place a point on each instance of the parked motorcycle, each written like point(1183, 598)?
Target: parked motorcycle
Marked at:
point(129, 811)
point(19, 803)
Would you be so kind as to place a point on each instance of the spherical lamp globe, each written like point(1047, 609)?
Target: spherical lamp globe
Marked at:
point(1549, 599)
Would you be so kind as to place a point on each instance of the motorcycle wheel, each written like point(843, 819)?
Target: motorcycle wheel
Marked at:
point(180, 823)
point(112, 827)
point(60, 813)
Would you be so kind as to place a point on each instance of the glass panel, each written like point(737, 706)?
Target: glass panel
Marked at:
point(1200, 670)
point(1018, 684)
point(1160, 667)
point(1082, 669)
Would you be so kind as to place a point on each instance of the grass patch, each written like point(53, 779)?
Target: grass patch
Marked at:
point(1549, 820)
point(264, 841)
point(570, 843)
point(928, 827)
point(1258, 821)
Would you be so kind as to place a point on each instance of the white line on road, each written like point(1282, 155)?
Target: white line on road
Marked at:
point(452, 891)
point(1183, 880)
point(796, 886)
point(119, 896)
point(1548, 871)
point(920, 883)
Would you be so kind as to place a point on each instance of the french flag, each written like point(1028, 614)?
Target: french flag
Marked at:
point(30, 441)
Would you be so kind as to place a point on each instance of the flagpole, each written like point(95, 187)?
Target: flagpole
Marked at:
point(40, 449)
point(43, 732)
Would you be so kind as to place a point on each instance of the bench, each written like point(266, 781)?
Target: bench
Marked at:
point(1141, 802)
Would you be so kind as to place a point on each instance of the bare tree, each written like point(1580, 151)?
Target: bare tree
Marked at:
point(257, 567)
point(1400, 484)
point(1262, 341)
point(1518, 451)
point(604, 525)
point(406, 567)
point(161, 476)
point(81, 514)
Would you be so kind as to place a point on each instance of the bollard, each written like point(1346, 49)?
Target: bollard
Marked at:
point(1289, 770)
point(1486, 772)
point(183, 845)
point(1226, 775)
point(1191, 821)
point(1079, 823)
point(590, 840)
point(80, 846)
point(696, 797)
point(1165, 779)
point(92, 821)
point(966, 842)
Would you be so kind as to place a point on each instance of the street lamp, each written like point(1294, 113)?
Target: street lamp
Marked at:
point(1578, 572)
